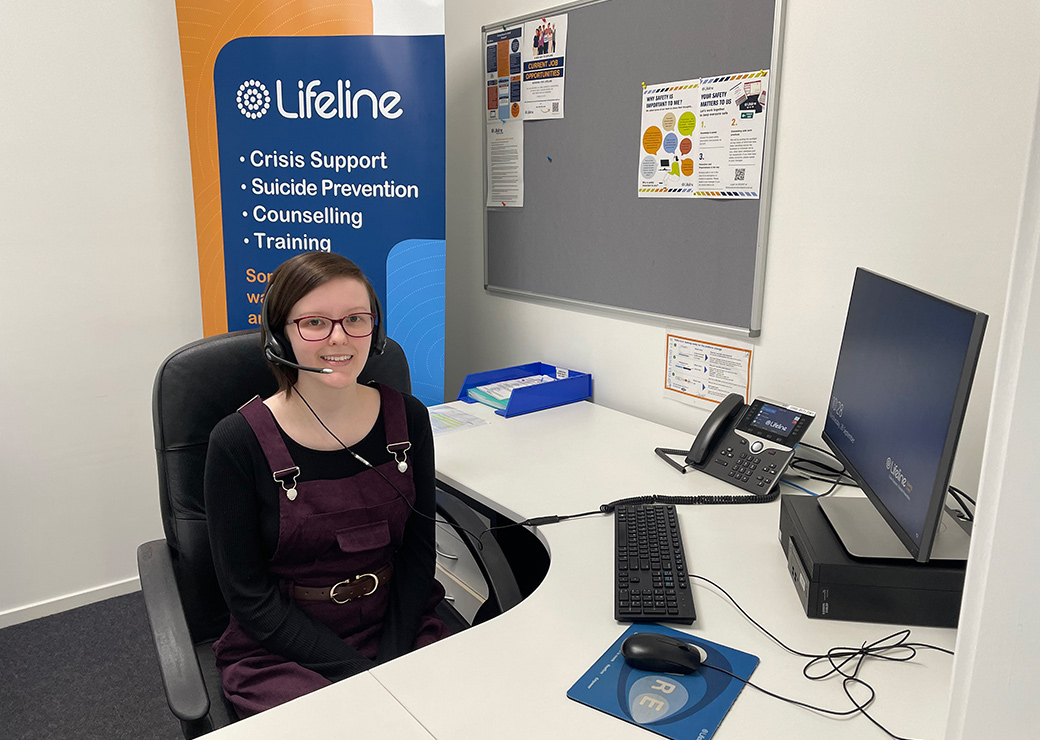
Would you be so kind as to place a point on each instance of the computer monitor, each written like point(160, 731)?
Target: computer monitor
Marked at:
point(901, 386)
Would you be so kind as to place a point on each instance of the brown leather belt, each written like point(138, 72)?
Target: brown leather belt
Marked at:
point(364, 584)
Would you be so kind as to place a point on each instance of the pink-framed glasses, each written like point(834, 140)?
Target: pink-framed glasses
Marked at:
point(319, 328)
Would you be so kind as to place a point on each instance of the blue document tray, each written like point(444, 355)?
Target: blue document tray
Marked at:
point(575, 387)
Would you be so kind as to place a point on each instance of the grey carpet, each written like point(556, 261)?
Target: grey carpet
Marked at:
point(89, 672)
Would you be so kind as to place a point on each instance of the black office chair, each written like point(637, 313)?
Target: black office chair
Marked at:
point(197, 386)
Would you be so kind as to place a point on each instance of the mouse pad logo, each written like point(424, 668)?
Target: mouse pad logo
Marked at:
point(654, 698)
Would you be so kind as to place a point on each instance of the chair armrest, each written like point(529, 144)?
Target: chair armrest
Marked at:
point(492, 561)
point(178, 663)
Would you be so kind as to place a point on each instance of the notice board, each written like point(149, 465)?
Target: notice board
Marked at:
point(583, 237)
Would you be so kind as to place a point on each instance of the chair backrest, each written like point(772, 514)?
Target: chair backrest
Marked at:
point(196, 387)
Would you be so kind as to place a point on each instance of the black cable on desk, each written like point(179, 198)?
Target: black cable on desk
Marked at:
point(962, 493)
point(819, 470)
point(839, 659)
point(654, 498)
point(553, 519)
point(960, 497)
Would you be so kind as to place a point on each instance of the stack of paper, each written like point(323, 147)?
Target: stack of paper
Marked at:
point(497, 395)
point(446, 419)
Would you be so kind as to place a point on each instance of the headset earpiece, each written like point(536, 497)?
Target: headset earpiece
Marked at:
point(379, 336)
point(274, 342)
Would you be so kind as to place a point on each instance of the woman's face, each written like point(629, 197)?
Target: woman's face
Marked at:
point(343, 354)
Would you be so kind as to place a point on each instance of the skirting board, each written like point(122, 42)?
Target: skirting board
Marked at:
point(71, 601)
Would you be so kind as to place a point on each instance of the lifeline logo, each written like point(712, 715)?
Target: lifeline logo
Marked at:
point(312, 100)
point(896, 474)
point(253, 99)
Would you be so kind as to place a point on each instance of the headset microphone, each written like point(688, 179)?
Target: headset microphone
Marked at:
point(282, 361)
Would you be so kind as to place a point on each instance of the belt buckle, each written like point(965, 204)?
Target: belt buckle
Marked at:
point(355, 579)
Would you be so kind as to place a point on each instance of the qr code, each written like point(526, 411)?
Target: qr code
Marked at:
point(556, 106)
point(738, 174)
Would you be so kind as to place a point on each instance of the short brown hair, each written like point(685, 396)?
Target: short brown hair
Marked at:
point(291, 281)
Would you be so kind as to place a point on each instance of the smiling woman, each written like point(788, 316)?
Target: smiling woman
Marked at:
point(303, 283)
point(321, 500)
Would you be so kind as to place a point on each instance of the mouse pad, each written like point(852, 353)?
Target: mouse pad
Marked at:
point(674, 706)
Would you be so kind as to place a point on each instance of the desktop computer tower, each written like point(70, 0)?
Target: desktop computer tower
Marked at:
point(833, 585)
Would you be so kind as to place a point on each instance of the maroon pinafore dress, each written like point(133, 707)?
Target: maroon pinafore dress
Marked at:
point(329, 530)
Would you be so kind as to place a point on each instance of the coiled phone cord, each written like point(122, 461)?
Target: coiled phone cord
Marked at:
point(654, 498)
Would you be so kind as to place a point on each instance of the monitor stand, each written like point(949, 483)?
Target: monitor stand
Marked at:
point(865, 534)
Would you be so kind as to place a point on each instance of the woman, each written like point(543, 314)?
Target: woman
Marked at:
point(320, 501)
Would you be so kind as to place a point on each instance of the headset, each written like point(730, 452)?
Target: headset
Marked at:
point(278, 350)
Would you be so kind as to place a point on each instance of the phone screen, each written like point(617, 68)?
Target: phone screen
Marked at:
point(775, 419)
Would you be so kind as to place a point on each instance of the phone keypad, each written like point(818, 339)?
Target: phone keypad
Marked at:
point(754, 470)
point(750, 457)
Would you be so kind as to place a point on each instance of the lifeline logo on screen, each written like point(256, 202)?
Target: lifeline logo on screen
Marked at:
point(898, 477)
point(311, 100)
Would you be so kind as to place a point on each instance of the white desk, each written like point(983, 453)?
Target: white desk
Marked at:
point(508, 678)
point(358, 707)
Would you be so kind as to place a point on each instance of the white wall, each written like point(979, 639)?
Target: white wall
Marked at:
point(886, 157)
point(995, 677)
point(98, 283)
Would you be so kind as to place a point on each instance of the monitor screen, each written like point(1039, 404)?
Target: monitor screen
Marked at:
point(901, 386)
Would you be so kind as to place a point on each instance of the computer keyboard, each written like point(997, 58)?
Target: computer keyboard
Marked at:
point(653, 584)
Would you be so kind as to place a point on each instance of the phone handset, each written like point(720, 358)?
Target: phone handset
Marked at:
point(722, 419)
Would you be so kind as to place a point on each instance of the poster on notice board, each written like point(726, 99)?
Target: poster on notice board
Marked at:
point(544, 68)
point(704, 138)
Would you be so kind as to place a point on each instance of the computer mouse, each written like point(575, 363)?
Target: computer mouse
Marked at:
point(649, 651)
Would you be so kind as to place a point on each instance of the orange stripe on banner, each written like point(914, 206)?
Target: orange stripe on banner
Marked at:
point(204, 31)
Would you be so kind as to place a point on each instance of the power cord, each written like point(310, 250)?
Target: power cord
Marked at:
point(803, 489)
point(895, 647)
point(818, 470)
point(960, 496)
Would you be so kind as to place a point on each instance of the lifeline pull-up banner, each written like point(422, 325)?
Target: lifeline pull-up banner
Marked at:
point(318, 126)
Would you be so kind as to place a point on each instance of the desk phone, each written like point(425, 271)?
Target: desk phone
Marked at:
point(751, 445)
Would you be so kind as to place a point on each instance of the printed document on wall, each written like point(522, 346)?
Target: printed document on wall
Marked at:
point(543, 67)
point(668, 143)
point(503, 52)
point(702, 373)
point(731, 133)
point(505, 163)
point(704, 138)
